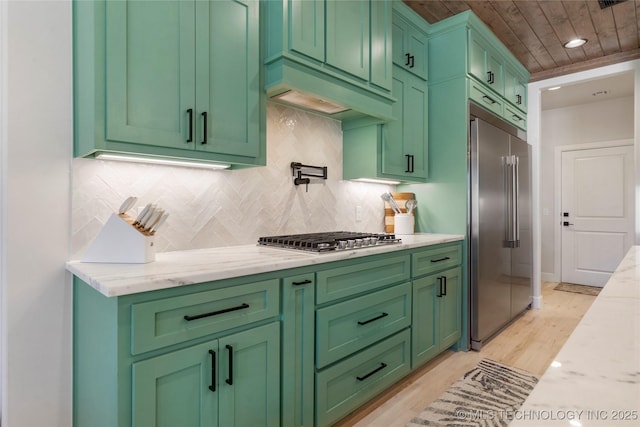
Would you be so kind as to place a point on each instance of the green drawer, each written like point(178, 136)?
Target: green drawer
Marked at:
point(343, 387)
point(346, 327)
point(485, 97)
point(345, 281)
point(515, 116)
point(436, 259)
point(160, 323)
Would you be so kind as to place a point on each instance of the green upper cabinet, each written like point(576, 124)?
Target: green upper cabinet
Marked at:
point(410, 48)
point(169, 78)
point(331, 50)
point(484, 64)
point(307, 28)
point(348, 41)
point(515, 89)
point(397, 150)
point(405, 141)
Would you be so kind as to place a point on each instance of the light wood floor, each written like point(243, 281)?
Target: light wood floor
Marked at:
point(530, 343)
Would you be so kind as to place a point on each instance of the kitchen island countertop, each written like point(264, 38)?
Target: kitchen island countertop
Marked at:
point(180, 268)
point(595, 378)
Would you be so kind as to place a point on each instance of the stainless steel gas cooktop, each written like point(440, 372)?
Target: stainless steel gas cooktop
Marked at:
point(330, 241)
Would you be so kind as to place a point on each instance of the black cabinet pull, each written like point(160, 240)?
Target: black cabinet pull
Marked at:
point(489, 99)
point(518, 118)
point(374, 319)
point(409, 163)
point(230, 379)
point(190, 113)
point(518, 99)
point(444, 279)
point(304, 282)
point(204, 140)
point(440, 259)
point(408, 59)
point(412, 61)
point(214, 313)
point(490, 77)
point(439, 294)
point(379, 368)
point(212, 387)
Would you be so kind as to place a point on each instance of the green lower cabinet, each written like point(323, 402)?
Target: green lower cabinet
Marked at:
point(232, 381)
point(437, 315)
point(343, 387)
point(297, 372)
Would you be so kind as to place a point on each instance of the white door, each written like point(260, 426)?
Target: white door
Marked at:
point(597, 212)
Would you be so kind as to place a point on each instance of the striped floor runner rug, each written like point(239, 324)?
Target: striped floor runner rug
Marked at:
point(488, 395)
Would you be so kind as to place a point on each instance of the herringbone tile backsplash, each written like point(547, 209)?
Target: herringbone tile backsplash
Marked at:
point(234, 207)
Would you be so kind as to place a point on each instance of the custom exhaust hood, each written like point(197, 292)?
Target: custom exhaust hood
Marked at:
point(328, 93)
point(331, 58)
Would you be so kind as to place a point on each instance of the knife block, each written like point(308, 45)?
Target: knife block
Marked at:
point(120, 242)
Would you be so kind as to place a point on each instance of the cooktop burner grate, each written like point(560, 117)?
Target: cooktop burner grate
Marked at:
point(331, 241)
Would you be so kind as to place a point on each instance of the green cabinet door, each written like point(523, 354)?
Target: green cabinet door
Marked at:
point(249, 366)
point(381, 44)
point(405, 140)
point(233, 381)
point(515, 89)
point(485, 64)
point(437, 315)
point(424, 332)
point(348, 38)
point(227, 112)
point(150, 72)
point(306, 23)
point(297, 371)
point(410, 45)
point(450, 315)
point(173, 389)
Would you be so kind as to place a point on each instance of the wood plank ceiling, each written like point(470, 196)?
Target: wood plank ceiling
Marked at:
point(535, 30)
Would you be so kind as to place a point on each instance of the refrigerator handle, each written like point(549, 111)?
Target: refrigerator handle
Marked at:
point(508, 185)
point(516, 196)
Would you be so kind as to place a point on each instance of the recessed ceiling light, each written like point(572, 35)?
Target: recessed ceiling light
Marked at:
point(574, 43)
point(554, 88)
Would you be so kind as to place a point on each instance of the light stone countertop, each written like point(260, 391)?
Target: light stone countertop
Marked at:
point(180, 268)
point(595, 378)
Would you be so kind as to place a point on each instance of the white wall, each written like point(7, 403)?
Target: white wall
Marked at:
point(36, 147)
point(534, 131)
point(230, 207)
point(609, 120)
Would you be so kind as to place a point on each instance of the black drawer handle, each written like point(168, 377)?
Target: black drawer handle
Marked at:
point(412, 61)
point(440, 259)
point(204, 139)
point(485, 97)
point(304, 282)
point(212, 387)
point(374, 319)
point(230, 379)
point(410, 163)
point(518, 118)
point(215, 313)
point(379, 368)
point(190, 113)
point(408, 59)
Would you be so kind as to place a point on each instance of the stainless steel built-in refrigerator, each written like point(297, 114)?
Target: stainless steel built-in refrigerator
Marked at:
point(500, 248)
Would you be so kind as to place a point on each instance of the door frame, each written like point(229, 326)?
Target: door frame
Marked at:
point(557, 189)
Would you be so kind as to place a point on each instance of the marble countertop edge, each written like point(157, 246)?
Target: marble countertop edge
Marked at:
point(182, 268)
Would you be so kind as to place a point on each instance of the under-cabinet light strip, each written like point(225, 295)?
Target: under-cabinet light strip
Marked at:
point(158, 161)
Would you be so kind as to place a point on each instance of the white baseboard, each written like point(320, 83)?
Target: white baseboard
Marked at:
point(550, 277)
